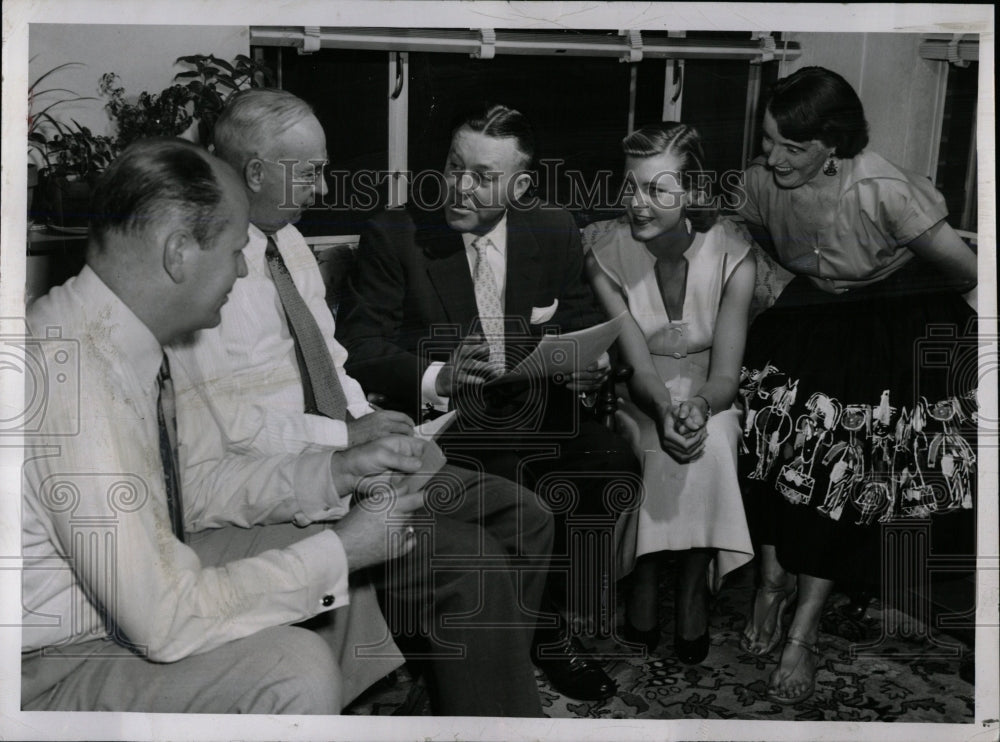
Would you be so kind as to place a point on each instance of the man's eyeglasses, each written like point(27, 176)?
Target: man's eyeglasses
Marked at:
point(306, 177)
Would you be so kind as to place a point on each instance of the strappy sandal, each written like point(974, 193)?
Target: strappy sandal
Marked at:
point(751, 632)
point(792, 700)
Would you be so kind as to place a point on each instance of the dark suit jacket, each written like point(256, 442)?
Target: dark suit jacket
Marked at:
point(411, 299)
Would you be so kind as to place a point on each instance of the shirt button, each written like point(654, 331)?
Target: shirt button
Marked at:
point(327, 601)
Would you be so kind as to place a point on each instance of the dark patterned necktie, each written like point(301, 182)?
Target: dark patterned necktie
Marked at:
point(166, 419)
point(323, 392)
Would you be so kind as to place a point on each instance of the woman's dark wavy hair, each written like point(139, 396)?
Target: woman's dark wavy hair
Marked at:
point(815, 103)
point(684, 142)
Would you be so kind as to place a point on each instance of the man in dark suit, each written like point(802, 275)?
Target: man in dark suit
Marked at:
point(442, 302)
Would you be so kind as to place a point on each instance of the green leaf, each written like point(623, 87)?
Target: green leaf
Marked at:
point(51, 71)
point(49, 107)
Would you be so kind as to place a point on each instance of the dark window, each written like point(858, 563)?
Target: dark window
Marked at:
point(715, 102)
point(350, 91)
point(956, 172)
point(578, 107)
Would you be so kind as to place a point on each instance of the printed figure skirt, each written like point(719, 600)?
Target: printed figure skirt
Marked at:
point(861, 411)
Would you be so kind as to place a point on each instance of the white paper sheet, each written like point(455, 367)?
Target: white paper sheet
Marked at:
point(557, 355)
point(431, 429)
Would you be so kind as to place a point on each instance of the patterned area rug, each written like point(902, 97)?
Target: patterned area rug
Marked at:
point(884, 667)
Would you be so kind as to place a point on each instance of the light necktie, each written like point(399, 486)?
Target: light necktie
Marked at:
point(323, 392)
point(166, 419)
point(488, 301)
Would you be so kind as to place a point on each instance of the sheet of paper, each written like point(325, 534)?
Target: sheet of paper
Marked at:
point(431, 429)
point(566, 353)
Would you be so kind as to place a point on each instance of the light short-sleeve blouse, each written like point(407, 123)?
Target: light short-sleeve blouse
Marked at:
point(855, 238)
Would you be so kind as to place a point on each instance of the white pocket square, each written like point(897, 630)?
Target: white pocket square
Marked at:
point(543, 314)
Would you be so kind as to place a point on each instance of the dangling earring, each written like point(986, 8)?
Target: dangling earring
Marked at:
point(831, 168)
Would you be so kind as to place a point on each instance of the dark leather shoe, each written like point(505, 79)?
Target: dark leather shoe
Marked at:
point(691, 651)
point(571, 673)
point(858, 607)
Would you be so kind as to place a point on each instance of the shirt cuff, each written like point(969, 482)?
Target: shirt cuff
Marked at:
point(328, 570)
point(325, 431)
point(428, 388)
point(315, 493)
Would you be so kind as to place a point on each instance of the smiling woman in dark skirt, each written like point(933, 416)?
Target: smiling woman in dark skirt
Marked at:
point(847, 427)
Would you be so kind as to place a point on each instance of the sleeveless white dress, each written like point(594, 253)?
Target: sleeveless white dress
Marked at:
point(685, 505)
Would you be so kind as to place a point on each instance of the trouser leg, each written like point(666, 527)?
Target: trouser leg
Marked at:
point(511, 515)
point(281, 670)
point(356, 634)
point(584, 481)
point(470, 590)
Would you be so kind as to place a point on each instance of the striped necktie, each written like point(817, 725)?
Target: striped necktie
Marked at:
point(166, 420)
point(488, 301)
point(321, 386)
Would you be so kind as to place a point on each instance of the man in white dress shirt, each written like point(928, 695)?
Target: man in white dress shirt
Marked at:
point(245, 393)
point(120, 613)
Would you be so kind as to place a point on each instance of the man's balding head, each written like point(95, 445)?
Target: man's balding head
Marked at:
point(251, 122)
point(152, 180)
point(167, 228)
point(276, 144)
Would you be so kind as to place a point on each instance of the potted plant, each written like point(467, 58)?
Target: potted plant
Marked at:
point(214, 80)
point(70, 156)
point(153, 114)
point(196, 95)
point(41, 124)
point(74, 157)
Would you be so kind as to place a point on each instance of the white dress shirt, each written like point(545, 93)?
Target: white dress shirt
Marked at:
point(97, 540)
point(496, 256)
point(240, 397)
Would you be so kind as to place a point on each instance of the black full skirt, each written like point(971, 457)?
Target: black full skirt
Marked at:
point(861, 414)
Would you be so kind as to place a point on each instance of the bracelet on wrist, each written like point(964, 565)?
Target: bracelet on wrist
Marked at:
point(708, 405)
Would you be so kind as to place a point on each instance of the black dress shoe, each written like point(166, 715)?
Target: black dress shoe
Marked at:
point(570, 672)
point(691, 651)
point(649, 638)
point(858, 607)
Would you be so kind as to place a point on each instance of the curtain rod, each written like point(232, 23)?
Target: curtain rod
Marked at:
point(629, 46)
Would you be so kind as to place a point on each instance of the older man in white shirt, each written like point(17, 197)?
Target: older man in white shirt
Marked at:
point(467, 596)
point(119, 612)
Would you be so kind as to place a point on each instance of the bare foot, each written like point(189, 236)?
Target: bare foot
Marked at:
point(795, 677)
point(764, 628)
